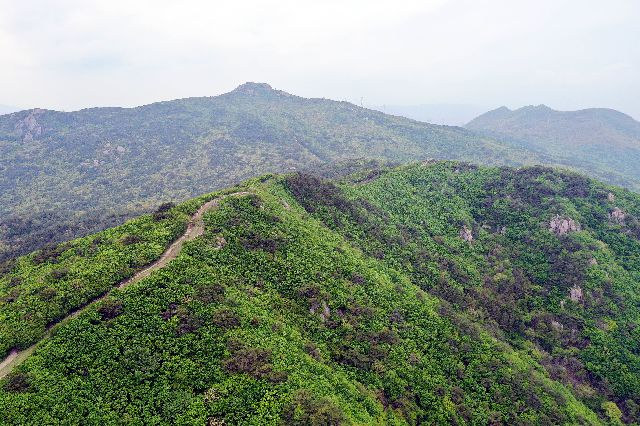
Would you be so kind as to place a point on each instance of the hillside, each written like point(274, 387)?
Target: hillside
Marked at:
point(67, 174)
point(604, 141)
point(433, 293)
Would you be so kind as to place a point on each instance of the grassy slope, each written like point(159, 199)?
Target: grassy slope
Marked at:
point(362, 304)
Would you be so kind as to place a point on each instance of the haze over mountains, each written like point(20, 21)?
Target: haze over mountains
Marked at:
point(65, 174)
point(367, 242)
point(446, 114)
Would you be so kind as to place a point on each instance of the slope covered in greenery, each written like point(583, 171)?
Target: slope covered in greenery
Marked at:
point(603, 143)
point(67, 174)
point(434, 293)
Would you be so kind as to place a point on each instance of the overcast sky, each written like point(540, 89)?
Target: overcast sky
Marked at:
point(568, 54)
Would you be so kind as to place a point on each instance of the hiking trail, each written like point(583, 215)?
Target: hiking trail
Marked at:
point(195, 228)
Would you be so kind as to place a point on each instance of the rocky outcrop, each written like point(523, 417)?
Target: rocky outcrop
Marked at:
point(575, 294)
point(251, 88)
point(561, 225)
point(29, 128)
point(322, 308)
point(466, 234)
point(220, 242)
point(617, 216)
point(113, 149)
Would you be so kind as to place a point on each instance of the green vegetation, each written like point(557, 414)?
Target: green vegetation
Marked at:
point(435, 293)
point(42, 288)
point(65, 175)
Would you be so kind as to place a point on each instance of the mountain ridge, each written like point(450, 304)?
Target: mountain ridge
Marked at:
point(66, 174)
point(435, 292)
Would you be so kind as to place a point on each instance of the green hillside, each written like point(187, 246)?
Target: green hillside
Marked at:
point(434, 293)
point(68, 174)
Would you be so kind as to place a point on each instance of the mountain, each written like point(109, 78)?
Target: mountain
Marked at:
point(430, 293)
point(67, 174)
point(604, 141)
point(446, 114)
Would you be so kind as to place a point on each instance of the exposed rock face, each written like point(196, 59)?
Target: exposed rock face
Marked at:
point(324, 309)
point(575, 293)
point(466, 234)
point(110, 149)
point(326, 312)
point(29, 128)
point(220, 242)
point(250, 88)
point(563, 225)
point(617, 216)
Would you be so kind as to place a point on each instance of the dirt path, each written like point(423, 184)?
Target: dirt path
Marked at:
point(194, 230)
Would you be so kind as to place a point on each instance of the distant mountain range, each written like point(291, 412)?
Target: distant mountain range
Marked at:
point(602, 142)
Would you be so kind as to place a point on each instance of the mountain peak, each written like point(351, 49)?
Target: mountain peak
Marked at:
point(541, 107)
point(251, 88)
point(503, 110)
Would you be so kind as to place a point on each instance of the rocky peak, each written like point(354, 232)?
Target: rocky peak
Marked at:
point(250, 88)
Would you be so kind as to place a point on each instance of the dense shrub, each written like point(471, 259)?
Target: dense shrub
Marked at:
point(18, 382)
point(131, 239)
point(110, 308)
point(163, 211)
point(375, 312)
point(308, 409)
point(254, 362)
point(211, 293)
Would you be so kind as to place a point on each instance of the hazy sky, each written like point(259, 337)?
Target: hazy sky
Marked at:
point(568, 54)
